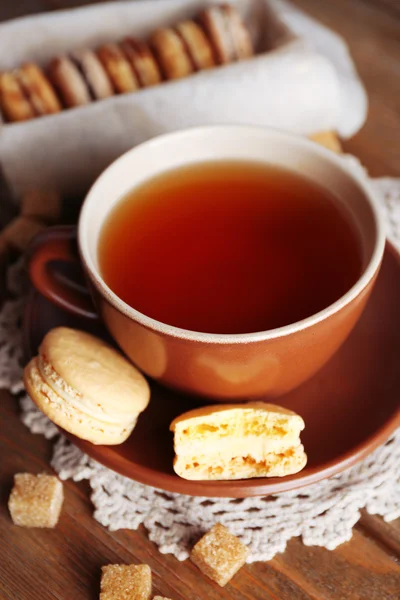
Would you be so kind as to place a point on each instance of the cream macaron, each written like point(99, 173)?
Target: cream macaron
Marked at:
point(227, 33)
point(86, 387)
point(69, 82)
point(170, 50)
point(238, 441)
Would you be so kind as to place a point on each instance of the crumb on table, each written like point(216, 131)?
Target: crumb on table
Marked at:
point(36, 500)
point(219, 554)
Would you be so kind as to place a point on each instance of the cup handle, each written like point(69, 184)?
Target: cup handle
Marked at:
point(58, 244)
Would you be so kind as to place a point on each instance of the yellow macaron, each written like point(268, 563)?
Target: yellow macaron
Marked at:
point(86, 387)
point(238, 441)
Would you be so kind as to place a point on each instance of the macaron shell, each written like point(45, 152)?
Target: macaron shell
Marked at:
point(215, 467)
point(39, 89)
point(118, 68)
point(171, 53)
point(197, 44)
point(239, 33)
point(68, 81)
point(66, 416)
point(142, 61)
point(206, 411)
point(216, 26)
point(100, 375)
point(94, 72)
point(14, 105)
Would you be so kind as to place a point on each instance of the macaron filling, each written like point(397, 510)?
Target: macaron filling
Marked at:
point(236, 446)
point(187, 49)
point(82, 71)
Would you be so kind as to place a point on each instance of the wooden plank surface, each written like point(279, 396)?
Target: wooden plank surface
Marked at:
point(65, 563)
point(372, 32)
point(68, 559)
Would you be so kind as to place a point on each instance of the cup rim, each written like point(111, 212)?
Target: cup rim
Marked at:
point(241, 338)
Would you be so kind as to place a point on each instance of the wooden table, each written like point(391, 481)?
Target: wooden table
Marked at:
point(65, 563)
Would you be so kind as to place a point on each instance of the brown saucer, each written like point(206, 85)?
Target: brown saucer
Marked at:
point(350, 407)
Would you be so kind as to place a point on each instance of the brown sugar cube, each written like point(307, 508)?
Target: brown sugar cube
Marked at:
point(21, 231)
point(35, 500)
point(161, 598)
point(41, 205)
point(219, 554)
point(125, 582)
point(328, 139)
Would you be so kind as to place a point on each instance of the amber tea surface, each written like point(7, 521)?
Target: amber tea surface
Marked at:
point(229, 247)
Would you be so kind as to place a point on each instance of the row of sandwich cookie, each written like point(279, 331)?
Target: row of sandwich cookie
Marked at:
point(92, 391)
point(217, 37)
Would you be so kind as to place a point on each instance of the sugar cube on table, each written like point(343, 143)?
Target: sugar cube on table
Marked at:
point(42, 205)
point(36, 500)
point(219, 554)
point(125, 582)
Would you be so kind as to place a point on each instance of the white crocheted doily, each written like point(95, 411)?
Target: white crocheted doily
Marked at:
point(323, 514)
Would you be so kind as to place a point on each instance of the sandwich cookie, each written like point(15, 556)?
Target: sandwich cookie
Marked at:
point(197, 45)
point(94, 74)
point(171, 53)
point(239, 33)
point(86, 387)
point(68, 81)
point(227, 33)
point(142, 62)
point(14, 104)
point(216, 26)
point(118, 68)
point(39, 90)
point(238, 441)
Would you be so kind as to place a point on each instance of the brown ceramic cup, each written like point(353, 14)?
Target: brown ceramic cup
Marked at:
point(263, 364)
